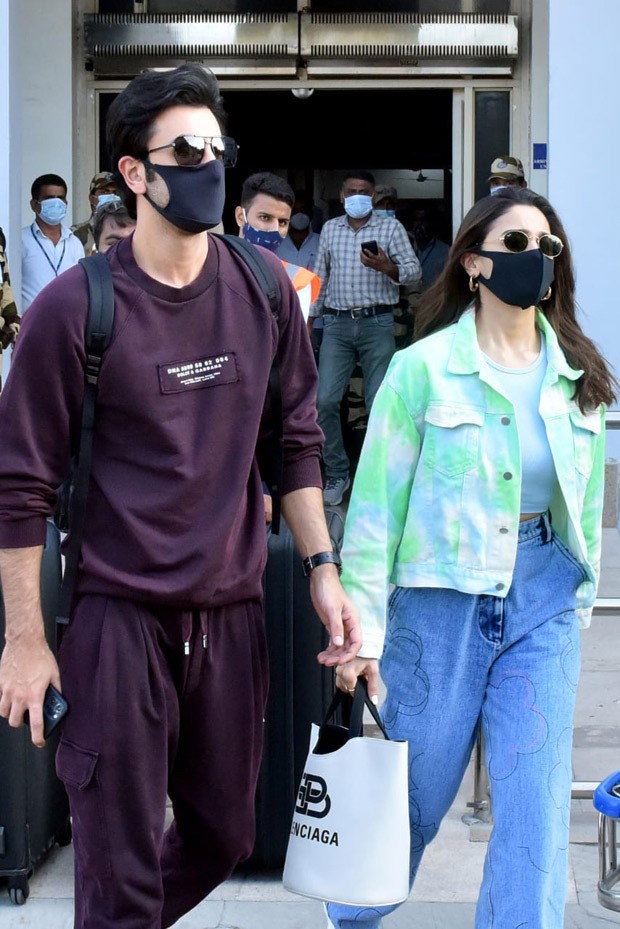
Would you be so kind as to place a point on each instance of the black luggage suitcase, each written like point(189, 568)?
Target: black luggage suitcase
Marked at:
point(300, 690)
point(34, 810)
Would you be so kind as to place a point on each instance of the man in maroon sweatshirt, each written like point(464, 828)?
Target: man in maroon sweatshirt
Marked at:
point(164, 661)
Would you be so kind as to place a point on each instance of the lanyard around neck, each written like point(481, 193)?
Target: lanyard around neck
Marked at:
point(55, 268)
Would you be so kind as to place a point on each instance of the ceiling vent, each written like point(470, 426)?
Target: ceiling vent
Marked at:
point(323, 44)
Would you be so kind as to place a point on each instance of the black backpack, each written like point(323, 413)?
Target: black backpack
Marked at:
point(71, 508)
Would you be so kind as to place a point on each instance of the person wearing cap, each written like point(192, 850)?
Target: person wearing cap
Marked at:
point(506, 171)
point(384, 201)
point(103, 188)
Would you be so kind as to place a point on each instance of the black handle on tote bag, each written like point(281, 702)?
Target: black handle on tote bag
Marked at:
point(332, 736)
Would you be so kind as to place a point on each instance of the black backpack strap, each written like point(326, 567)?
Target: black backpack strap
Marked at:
point(268, 283)
point(259, 268)
point(98, 336)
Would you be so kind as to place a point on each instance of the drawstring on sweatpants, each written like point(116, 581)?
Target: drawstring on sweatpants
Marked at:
point(189, 618)
point(193, 631)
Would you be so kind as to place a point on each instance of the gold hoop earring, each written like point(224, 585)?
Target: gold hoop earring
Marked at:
point(473, 284)
point(547, 295)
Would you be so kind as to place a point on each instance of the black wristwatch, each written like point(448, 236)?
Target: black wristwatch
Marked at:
point(313, 561)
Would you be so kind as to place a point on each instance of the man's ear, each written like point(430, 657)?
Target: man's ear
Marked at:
point(134, 173)
point(239, 217)
point(34, 203)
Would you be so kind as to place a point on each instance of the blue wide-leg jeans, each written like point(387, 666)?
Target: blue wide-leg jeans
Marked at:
point(451, 658)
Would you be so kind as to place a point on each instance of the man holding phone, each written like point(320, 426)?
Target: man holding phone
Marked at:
point(164, 661)
point(361, 262)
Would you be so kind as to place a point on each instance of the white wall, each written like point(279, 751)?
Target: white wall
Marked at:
point(10, 135)
point(45, 67)
point(36, 106)
point(40, 135)
point(584, 139)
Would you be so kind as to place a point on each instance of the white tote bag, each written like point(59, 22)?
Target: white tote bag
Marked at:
point(349, 840)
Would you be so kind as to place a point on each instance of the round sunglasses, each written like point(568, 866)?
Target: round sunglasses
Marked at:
point(516, 240)
point(189, 149)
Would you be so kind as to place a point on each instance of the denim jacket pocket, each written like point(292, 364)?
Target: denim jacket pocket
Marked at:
point(586, 428)
point(452, 437)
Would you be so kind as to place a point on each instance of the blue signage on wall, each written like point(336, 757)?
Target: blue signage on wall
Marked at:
point(539, 161)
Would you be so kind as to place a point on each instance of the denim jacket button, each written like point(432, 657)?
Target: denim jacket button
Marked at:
point(505, 420)
point(507, 476)
point(503, 529)
point(499, 586)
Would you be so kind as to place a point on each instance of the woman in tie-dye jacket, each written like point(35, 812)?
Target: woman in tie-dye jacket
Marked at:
point(479, 496)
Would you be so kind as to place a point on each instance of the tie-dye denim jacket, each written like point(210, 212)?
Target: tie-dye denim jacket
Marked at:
point(436, 499)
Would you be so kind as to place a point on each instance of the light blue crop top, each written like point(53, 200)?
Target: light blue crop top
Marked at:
point(522, 387)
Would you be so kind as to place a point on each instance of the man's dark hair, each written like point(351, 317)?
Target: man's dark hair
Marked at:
point(266, 183)
point(131, 116)
point(118, 212)
point(45, 180)
point(359, 176)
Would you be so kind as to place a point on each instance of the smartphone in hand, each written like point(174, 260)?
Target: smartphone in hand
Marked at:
point(371, 246)
point(54, 709)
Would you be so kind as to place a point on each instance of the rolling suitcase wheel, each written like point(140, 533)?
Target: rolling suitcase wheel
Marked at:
point(19, 890)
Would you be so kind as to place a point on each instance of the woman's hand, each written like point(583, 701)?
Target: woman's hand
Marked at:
point(347, 675)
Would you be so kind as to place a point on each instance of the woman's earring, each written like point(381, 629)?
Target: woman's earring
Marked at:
point(547, 295)
point(473, 284)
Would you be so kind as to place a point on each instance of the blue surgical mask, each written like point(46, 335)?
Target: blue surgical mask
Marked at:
point(358, 206)
point(390, 214)
point(107, 198)
point(53, 211)
point(499, 187)
point(269, 239)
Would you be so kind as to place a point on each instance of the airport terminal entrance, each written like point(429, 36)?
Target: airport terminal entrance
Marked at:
point(433, 145)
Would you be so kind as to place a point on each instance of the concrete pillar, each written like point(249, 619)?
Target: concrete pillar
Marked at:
point(584, 139)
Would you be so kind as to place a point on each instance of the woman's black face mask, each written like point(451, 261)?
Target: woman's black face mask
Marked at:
point(519, 279)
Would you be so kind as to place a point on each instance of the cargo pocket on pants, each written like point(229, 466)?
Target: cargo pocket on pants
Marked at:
point(77, 768)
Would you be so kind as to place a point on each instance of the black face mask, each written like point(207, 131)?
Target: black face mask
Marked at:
point(519, 279)
point(196, 195)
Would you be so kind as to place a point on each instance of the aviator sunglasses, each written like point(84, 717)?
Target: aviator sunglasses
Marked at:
point(516, 240)
point(189, 149)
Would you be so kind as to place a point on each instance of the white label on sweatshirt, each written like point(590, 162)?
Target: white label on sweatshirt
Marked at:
point(201, 372)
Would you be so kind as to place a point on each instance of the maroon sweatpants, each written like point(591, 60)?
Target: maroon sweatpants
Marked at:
point(161, 702)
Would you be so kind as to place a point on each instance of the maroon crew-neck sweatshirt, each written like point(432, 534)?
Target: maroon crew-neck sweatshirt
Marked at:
point(175, 510)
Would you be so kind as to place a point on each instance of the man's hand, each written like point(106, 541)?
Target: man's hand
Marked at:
point(379, 262)
point(347, 675)
point(27, 667)
point(337, 615)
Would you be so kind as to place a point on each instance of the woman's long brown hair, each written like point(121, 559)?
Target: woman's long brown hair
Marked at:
point(448, 298)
